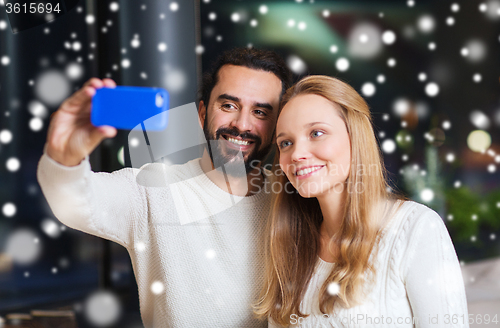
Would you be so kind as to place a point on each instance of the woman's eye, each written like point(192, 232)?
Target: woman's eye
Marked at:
point(284, 143)
point(316, 134)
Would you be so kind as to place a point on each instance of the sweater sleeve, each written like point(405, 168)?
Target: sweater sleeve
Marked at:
point(432, 275)
point(107, 205)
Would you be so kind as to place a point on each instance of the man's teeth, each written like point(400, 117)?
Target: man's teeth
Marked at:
point(308, 170)
point(238, 142)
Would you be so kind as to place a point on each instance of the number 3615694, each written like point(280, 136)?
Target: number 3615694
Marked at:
point(31, 8)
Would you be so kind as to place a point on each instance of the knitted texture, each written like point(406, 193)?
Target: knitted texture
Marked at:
point(195, 249)
point(418, 282)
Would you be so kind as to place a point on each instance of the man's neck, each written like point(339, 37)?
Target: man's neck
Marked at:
point(239, 186)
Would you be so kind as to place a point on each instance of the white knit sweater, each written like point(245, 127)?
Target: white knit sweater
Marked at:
point(418, 276)
point(194, 248)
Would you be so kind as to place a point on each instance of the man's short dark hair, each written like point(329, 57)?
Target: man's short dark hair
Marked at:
point(259, 59)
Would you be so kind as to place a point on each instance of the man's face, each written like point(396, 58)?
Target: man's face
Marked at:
point(241, 116)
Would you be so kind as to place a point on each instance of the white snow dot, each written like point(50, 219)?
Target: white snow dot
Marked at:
point(134, 142)
point(140, 246)
point(432, 46)
point(483, 7)
point(363, 38)
point(90, 19)
point(290, 23)
point(479, 119)
point(162, 46)
point(254, 23)
point(333, 288)
point(455, 7)
point(391, 62)
point(404, 158)
point(389, 37)
point(474, 217)
point(263, 9)
point(422, 77)
point(446, 125)
point(5, 136)
point(36, 124)
point(380, 78)
point(326, 13)
point(388, 146)
point(450, 157)
point(426, 24)
point(114, 6)
point(410, 3)
point(199, 49)
point(174, 6)
point(13, 164)
point(342, 64)
point(74, 71)
point(368, 89)
point(492, 168)
point(102, 309)
point(76, 46)
point(477, 77)
point(126, 63)
point(450, 217)
point(432, 89)
point(333, 49)
point(3, 25)
point(210, 254)
point(302, 26)
point(157, 287)
point(212, 16)
point(9, 209)
point(464, 52)
point(296, 64)
point(135, 43)
point(385, 117)
point(51, 228)
point(450, 21)
point(235, 17)
point(497, 158)
point(5, 60)
point(473, 239)
point(427, 195)
point(493, 236)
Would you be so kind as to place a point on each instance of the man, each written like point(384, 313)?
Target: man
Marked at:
point(195, 251)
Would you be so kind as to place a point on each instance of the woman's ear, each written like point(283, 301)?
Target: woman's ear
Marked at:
point(202, 114)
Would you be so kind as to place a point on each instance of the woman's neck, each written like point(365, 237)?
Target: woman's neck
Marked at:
point(332, 209)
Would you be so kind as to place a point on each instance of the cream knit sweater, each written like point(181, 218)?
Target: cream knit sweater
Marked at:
point(194, 248)
point(418, 281)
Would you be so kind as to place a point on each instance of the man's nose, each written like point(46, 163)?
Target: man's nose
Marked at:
point(243, 121)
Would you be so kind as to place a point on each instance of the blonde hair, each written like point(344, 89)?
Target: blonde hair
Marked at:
point(293, 232)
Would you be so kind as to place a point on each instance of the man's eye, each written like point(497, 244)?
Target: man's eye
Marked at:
point(228, 106)
point(316, 134)
point(260, 112)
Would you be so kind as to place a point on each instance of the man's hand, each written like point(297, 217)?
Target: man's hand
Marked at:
point(71, 136)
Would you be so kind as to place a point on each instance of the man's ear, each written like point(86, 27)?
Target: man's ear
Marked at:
point(202, 114)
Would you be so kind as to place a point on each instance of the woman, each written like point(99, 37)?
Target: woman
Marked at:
point(342, 251)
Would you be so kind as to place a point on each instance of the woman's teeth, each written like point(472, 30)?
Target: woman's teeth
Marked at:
point(238, 142)
point(308, 170)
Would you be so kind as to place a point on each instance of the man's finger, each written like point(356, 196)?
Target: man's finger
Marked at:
point(109, 83)
point(79, 100)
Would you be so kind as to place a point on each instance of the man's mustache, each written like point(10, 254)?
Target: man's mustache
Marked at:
point(234, 132)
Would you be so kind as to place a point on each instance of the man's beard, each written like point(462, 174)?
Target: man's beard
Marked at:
point(229, 160)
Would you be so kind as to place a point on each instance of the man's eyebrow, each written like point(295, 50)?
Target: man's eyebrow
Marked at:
point(228, 97)
point(236, 99)
point(264, 105)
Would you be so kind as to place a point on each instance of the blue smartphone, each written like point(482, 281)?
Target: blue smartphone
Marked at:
point(126, 107)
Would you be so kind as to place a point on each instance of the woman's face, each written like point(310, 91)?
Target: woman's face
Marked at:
point(315, 148)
